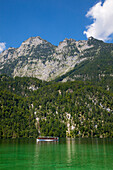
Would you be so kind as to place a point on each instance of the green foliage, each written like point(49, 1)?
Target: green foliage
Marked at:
point(72, 109)
point(89, 106)
point(22, 86)
point(16, 119)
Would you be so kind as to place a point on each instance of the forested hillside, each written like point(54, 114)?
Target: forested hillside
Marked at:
point(30, 107)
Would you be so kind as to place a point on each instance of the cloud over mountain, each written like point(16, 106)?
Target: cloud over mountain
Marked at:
point(102, 15)
point(2, 46)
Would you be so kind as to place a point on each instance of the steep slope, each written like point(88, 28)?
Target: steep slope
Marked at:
point(96, 68)
point(38, 58)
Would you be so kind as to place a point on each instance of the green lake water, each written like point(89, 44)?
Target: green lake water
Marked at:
point(78, 154)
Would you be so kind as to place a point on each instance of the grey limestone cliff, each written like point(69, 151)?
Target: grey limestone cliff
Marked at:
point(38, 58)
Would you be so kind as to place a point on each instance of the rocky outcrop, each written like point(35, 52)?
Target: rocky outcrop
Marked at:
point(38, 58)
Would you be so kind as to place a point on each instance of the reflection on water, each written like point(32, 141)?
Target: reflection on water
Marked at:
point(71, 150)
point(89, 153)
point(75, 153)
point(46, 154)
point(80, 153)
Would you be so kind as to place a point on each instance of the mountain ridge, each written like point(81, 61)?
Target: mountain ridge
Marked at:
point(38, 58)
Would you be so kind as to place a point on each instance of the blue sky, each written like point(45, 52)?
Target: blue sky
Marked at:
point(53, 20)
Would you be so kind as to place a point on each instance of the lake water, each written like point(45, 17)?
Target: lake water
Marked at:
point(75, 154)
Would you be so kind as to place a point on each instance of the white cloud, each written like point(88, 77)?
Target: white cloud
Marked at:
point(2, 46)
point(102, 15)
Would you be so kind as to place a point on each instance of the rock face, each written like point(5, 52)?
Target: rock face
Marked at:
point(38, 58)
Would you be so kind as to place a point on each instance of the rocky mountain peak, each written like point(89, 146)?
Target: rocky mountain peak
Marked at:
point(33, 45)
point(39, 58)
point(65, 44)
point(93, 41)
point(33, 41)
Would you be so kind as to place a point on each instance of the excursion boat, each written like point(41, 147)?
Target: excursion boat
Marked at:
point(47, 139)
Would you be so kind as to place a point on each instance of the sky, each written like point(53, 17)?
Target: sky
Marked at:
point(54, 20)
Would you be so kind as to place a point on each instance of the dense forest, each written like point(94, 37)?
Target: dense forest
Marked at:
point(30, 107)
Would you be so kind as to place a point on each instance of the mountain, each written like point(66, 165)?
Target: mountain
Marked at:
point(70, 60)
point(78, 102)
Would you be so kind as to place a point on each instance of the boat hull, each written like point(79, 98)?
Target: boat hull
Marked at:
point(47, 139)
